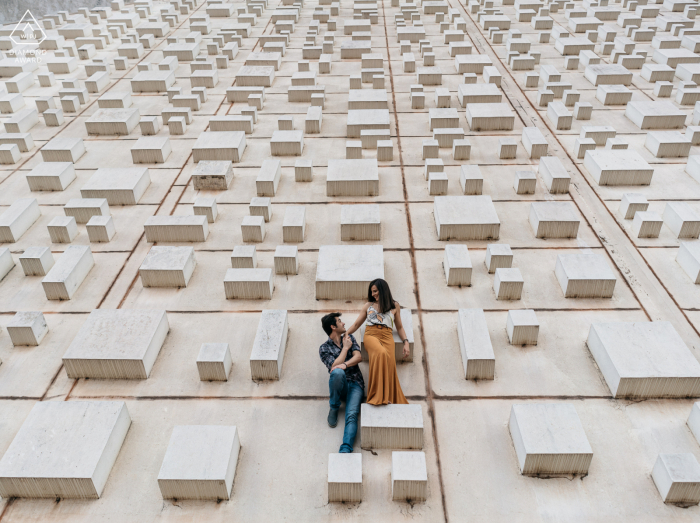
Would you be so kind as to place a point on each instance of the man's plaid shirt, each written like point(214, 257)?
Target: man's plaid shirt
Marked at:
point(329, 351)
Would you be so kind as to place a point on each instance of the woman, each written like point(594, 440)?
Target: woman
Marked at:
point(379, 315)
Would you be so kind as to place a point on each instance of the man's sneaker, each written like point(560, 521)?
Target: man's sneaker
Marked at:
point(332, 418)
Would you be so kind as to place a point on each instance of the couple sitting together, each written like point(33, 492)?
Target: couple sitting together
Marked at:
point(341, 354)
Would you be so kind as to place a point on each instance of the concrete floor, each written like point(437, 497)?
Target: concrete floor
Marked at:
point(473, 473)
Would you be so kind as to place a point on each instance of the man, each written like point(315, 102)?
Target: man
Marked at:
point(341, 354)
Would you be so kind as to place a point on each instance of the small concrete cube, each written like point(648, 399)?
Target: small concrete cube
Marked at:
point(585, 276)
point(303, 170)
point(345, 477)
point(522, 327)
point(253, 229)
point(149, 125)
point(206, 206)
point(507, 148)
point(677, 477)
point(214, 362)
point(27, 328)
point(100, 229)
point(287, 259)
point(9, 154)
point(498, 256)
point(36, 261)
point(632, 203)
point(166, 266)
point(647, 224)
point(63, 229)
point(525, 182)
point(294, 224)
point(508, 284)
point(244, 257)
point(409, 476)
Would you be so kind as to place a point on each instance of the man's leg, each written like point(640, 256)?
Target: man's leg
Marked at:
point(338, 388)
point(352, 412)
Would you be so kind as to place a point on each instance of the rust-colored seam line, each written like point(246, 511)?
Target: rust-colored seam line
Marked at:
point(325, 398)
point(414, 268)
point(556, 138)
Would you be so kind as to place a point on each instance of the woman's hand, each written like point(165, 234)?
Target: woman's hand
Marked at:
point(406, 350)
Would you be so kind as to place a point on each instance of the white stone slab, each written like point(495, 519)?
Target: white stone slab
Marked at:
point(35, 261)
point(688, 258)
point(64, 449)
point(294, 224)
point(466, 218)
point(682, 220)
point(63, 149)
point(694, 421)
point(212, 175)
point(117, 344)
point(268, 178)
point(112, 121)
point(360, 223)
point(585, 276)
point(269, 345)
point(200, 462)
point(644, 360)
point(51, 176)
point(478, 358)
point(391, 426)
point(219, 146)
point(457, 265)
point(345, 271)
point(522, 327)
point(498, 256)
point(549, 440)
point(490, 117)
point(655, 115)
point(554, 220)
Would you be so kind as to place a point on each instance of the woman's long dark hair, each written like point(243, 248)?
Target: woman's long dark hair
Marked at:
point(386, 301)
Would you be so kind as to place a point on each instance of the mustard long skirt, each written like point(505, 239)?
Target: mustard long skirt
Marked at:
point(384, 386)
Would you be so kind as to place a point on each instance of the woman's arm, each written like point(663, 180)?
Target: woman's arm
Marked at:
point(401, 331)
point(360, 319)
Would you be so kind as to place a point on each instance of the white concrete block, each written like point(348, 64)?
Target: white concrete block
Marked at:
point(585, 276)
point(508, 284)
point(151, 149)
point(51, 176)
point(62, 229)
point(360, 223)
point(267, 355)
point(457, 265)
point(345, 271)
point(554, 220)
point(391, 426)
point(219, 146)
point(18, 218)
point(35, 261)
point(466, 218)
point(212, 175)
point(214, 362)
point(644, 360)
point(646, 224)
point(27, 328)
point(618, 167)
point(200, 462)
point(498, 256)
point(119, 186)
point(632, 203)
point(117, 344)
point(166, 266)
point(694, 420)
point(522, 327)
point(69, 272)
point(409, 476)
point(244, 257)
point(176, 229)
point(682, 220)
point(478, 358)
point(248, 284)
point(677, 477)
point(253, 229)
point(549, 440)
point(345, 477)
point(554, 174)
point(79, 442)
point(688, 258)
point(287, 259)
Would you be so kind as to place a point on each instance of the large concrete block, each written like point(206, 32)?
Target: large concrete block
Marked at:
point(554, 220)
point(490, 117)
point(119, 186)
point(522, 327)
point(466, 218)
point(248, 284)
point(360, 223)
point(269, 345)
point(549, 440)
point(352, 178)
point(219, 146)
point(618, 167)
point(391, 426)
point(345, 477)
point(27, 328)
point(200, 462)
point(176, 228)
point(212, 175)
point(457, 265)
point(644, 360)
point(344, 272)
point(35, 261)
point(214, 362)
point(655, 115)
point(51, 176)
point(688, 258)
point(585, 276)
point(112, 121)
point(117, 344)
point(63, 149)
point(64, 449)
point(478, 359)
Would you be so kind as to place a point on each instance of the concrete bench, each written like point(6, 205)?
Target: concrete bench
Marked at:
point(176, 229)
point(554, 220)
point(82, 209)
point(219, 146)
point(409, 476)
point(119, 186)
point(391, 426)
point(212, 175)
point(584, 276)
point(466, 218)
point(268, 178)
point(478, 359)
point(63, 149)
point(166, 266)
point(457, 266)
point(345, 477)
point(345, 271)
point(18, 218)
point(248, 284)
point(360, 223)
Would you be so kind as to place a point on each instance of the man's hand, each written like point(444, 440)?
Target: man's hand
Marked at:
point(341, 366)
point(406, 350)
point(347, 342)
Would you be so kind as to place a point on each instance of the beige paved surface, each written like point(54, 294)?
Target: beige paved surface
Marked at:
point(473, 473)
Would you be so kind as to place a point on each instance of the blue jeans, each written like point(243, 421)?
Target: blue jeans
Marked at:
point(342, 389)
